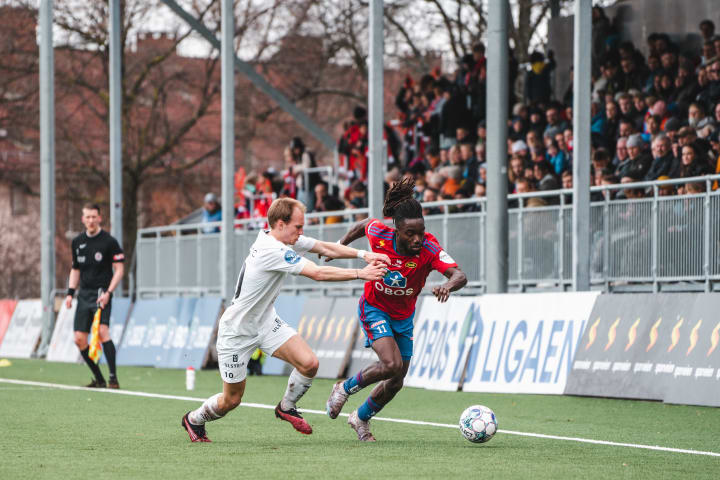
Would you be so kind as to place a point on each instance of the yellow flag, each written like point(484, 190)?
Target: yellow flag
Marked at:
point(95, 348)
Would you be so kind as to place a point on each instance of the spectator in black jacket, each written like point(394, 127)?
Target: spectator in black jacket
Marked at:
point(638, 162)
point(663, 159)
point(537, 79)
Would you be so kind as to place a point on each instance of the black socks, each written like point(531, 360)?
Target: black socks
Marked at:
point(109, 351)
point(93, 366)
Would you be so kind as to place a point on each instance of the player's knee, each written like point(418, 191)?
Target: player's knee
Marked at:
point(392, 368)
point(231, 401)
point(395, 384)
point(81, 341)
point(309, 366)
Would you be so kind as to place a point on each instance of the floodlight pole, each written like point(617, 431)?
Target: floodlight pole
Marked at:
point(227, 57)
point(496, 227)
point(581, 146)
point(116, 170)
point(47, 171)
point(376, 160)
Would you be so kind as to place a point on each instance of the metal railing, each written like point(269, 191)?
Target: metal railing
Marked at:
point(637, 244)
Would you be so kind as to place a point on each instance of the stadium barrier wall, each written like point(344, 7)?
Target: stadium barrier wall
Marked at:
point(169, 332)
point(7, 307)
point(654, 347)
point(23, 333)
point(510, 343)
point(62, 343)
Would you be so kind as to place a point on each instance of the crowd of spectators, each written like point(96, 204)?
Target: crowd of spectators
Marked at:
point(654, 117)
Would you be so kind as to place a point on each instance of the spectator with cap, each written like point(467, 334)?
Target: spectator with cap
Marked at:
point(671, 128)
point(638, 162)
point(212, 212)
point(538, 88)
point(520, 149)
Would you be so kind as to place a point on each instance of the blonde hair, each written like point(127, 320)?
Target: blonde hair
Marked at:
point(282, 209)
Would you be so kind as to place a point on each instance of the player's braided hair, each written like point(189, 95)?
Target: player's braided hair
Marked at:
point(400, 204)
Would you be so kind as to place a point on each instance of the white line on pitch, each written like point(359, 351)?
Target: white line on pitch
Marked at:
point(383, 419)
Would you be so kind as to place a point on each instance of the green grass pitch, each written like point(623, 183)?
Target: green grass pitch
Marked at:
point(63, 434)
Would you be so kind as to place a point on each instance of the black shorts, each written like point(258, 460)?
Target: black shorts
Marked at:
point(86, 308)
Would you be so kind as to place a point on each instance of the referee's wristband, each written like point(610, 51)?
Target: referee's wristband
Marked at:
point(71, 292)
point(361, 253)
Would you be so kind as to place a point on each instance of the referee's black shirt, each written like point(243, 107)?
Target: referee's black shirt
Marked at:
point(94, 257)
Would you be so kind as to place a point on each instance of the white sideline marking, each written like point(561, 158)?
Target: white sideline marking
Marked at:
point(383, 419)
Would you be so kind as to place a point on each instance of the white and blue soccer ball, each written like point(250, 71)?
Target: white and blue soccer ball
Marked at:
point(478, 424)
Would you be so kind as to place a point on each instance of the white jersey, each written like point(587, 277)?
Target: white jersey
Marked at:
point(259, 284)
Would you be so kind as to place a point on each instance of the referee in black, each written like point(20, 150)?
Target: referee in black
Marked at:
point(97, 265)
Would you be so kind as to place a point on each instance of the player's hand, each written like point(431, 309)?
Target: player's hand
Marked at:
point(371, 257)
point(372, 272)
point(103, 300)
point(68, 302)
point(442, 293)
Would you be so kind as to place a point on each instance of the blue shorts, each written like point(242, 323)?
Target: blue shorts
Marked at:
point(377, 324)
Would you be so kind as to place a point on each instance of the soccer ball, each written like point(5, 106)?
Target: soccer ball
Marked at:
point(478, 424)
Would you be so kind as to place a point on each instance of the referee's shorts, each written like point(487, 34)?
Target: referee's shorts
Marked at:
point(86, 308)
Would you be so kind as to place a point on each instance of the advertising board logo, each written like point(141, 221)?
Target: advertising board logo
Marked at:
point(338, 329)
point(654, 334)
point(632, 335)
point(714, 339)
point(693, 337)
point(612, 333)
point(328, 329)
point(592, 334)
point(675, 337)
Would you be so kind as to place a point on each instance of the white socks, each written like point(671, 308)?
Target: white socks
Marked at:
point(208, 412)
point(298, 384)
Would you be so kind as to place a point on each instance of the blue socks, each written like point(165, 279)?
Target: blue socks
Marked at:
point(354, 384)
point(368, 409)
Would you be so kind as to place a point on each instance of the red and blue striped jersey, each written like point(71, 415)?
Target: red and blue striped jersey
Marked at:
point(397, 292)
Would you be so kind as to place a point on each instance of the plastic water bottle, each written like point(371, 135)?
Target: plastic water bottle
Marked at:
point(190, 378)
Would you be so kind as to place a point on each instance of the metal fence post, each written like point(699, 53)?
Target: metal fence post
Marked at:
point(706, 236)
point(157, 259)
point(561, 234)
point(177, 259)
point(606, 239)
point(520, 243)
point(654, 240)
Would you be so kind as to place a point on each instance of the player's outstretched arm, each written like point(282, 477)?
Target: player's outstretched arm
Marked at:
point(372, 272)
point(456, 280)
point(336, 250)
point(355, 232)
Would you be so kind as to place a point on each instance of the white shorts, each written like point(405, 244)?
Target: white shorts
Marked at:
point(234, 352)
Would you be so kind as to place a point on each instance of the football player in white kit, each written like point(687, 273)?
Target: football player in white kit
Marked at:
point(251, 322)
